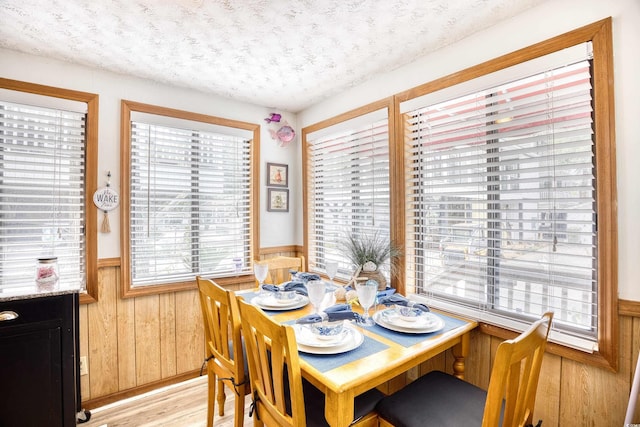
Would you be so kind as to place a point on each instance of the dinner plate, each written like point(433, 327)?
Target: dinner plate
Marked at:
point(389, 319)
point(352, 340)
point(268, 302)
point(306, 337)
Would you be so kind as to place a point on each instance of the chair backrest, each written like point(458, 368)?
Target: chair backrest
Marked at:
point(222, 326)
point(279, 267)
point(514, 376)
point(278, 399)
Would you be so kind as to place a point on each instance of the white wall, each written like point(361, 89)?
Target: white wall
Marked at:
point(545, 21)
point(550, 19)
point(277, 228)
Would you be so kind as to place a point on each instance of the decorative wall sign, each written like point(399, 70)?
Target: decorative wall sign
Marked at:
point(278, 200)
point(106, 199)
point(277, 175)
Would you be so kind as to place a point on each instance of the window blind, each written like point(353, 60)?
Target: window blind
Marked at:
point(348, 187)
point(190, 203)
point(42, 192)
point(501, 202)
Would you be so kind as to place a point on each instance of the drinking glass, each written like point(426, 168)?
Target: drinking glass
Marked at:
point(237, 264)
point(260, 271)
point(315, 291)
point(367, 292)
point(332, 269)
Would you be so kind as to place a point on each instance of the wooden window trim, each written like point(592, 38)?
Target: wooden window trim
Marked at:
point(128, 291)
point(91, 178)
point(352, 114)
point(600, 34)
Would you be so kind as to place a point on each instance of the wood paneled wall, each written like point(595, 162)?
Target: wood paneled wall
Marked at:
point(136, 344)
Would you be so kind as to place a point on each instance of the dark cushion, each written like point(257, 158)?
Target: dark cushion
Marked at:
point(244, 357)
point(436, 399)
point(314, 404)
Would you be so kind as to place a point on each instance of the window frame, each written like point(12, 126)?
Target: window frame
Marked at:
point(387, 104)
point(91, 179)
point(127, 107)
point(600, 34)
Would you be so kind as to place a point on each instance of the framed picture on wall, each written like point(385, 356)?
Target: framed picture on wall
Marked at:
point(278, 200)
point(277, 175)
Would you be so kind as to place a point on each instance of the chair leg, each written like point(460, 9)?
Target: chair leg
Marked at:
point(239, 408)
point(211, 402)
point(221, 398)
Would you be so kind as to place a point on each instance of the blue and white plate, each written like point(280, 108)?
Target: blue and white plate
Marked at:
point(425, 323)
point(350, 339)
point(269, 302)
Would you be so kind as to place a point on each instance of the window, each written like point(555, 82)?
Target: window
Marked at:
point(189, 197)
point(347, 183)
point(46, 147)
point(509, 183)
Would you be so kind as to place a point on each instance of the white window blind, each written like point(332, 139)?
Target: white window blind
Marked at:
point(190, 203)
point(42, 193)
point(348, 186)
point(501, 202)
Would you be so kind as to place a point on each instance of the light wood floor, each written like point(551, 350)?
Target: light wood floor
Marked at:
point(179, 405)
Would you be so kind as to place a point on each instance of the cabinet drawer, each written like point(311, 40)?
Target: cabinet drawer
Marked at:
point(35, 310)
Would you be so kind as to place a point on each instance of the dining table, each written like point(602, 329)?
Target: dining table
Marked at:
point(380, 355)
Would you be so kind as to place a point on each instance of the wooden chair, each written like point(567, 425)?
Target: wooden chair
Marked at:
point(279, 267)
point(441, 399)
point(281, 397)
point(226, 360)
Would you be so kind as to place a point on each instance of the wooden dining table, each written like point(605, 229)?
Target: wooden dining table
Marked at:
point(383, 355)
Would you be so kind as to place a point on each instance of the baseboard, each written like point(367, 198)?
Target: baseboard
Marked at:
point(125, 394)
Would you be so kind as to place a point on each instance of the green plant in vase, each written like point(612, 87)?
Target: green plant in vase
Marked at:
point(368, 252)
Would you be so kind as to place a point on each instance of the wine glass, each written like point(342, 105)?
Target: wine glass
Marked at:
point(260, 271)
point(367, 292)
point(315, 291)
point(331, 268)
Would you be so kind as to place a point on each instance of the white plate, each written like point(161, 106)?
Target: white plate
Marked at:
point(389, 319)
point(270, 303)
point(353, 339)
point(306, 337)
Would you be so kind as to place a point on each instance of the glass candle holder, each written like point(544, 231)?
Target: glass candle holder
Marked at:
point(47, 272)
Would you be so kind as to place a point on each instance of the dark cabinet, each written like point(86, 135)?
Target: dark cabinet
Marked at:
point(38, 363)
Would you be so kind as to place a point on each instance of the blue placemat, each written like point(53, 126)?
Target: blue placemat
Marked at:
point(407, 339)
point(327, 362)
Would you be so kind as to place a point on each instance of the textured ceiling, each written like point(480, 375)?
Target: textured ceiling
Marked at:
point(285, 54)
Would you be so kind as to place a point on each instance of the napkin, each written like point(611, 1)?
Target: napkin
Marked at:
point(333, 313)
point(398, 299)
point(305, 277)
point(298, 287)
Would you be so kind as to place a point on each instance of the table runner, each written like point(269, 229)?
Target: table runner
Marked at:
point(407, 339)
point(327, 362)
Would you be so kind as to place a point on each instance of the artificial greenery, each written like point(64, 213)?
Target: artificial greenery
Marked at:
point(375, 247)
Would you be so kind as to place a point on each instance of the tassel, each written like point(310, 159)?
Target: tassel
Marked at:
point(106, 227)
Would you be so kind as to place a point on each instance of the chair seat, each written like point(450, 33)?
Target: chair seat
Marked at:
point(435, 399)
point(314, 404)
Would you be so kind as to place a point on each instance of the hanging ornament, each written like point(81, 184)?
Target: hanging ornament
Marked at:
point(280, 130)
point(106, 199)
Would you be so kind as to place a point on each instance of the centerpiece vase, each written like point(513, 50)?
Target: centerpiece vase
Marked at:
point(377, 276)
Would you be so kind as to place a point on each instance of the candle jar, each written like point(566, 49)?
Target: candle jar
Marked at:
point(47, 272)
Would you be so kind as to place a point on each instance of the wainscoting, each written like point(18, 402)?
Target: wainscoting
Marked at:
point(138, 344)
